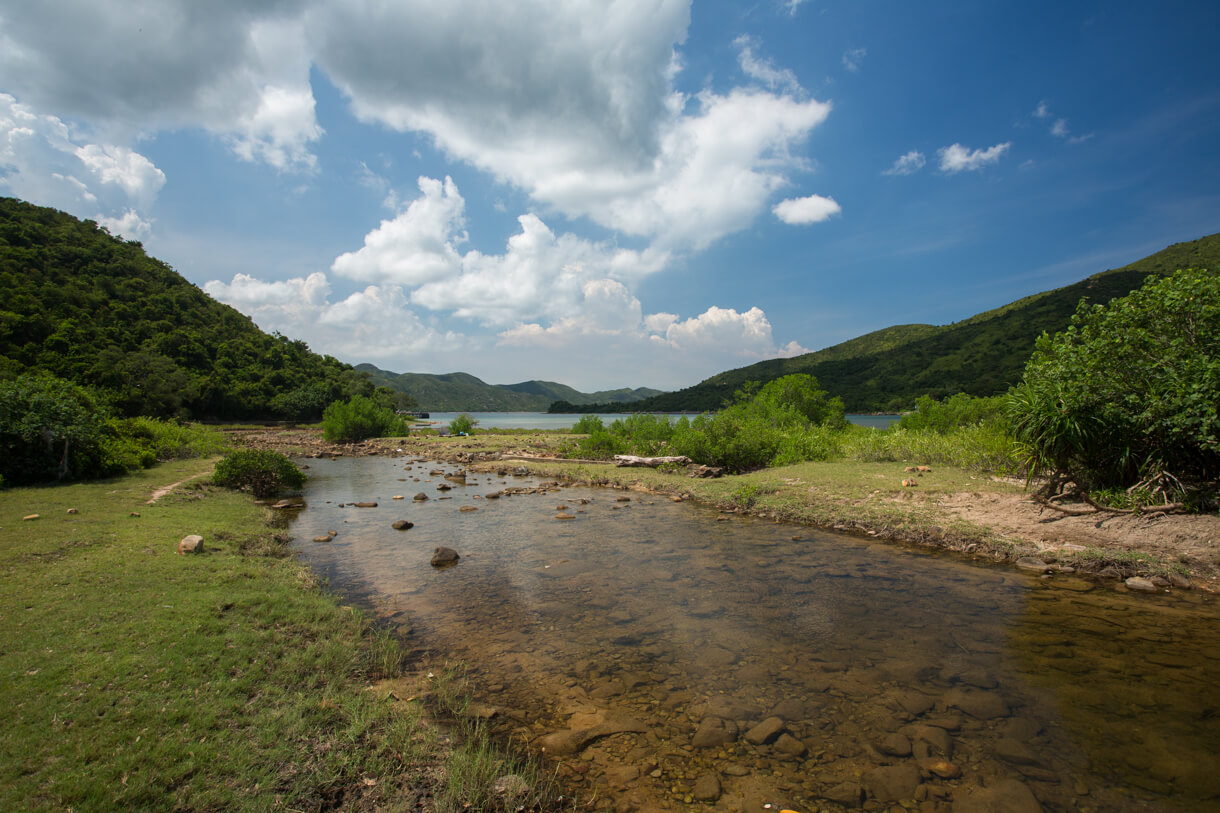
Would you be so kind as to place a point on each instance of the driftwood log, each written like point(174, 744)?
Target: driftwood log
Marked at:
point(648, 462)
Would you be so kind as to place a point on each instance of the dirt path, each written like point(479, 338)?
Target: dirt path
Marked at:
point(160, 492)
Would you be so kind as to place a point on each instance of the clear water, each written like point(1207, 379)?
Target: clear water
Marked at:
point(670, 616)
point(543, 420)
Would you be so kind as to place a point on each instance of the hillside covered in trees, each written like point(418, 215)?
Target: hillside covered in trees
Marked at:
point(458, 392)
point(889, 369)
point(94, 309)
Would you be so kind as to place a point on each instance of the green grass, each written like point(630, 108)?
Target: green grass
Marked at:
point(138, 678)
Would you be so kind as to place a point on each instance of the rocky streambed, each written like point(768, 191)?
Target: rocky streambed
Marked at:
point(668, 657)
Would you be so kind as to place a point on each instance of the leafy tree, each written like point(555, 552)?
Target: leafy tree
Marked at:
point(263, 472)
point(50, 429)
point(462, 425)
point(1129, 391)
point(359, 418)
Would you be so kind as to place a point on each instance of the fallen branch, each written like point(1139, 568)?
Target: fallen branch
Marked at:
point(648, 462)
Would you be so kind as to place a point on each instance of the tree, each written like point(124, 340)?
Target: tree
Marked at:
point(50, 429)
point(360, 418)
point(1130, 391)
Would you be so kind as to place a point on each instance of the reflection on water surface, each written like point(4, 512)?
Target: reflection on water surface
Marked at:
point(668, 658)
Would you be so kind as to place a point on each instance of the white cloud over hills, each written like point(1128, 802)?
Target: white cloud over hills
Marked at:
point(575, 104)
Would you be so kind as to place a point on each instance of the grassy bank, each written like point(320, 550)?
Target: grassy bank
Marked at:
point(135, 677)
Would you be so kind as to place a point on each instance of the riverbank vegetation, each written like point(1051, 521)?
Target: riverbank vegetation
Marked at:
point(1119, 411)
point(137, 678)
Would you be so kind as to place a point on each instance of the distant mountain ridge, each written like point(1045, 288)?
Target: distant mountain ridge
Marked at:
point(462, 392)
point(887, 370)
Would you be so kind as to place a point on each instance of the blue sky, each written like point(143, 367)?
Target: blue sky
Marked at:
point(607, 194)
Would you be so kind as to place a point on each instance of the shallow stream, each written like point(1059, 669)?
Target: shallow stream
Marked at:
point(670, 656)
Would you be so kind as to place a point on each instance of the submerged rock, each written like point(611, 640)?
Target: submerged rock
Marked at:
point(714, 731)
point(893, 783)
point(443, 557)
point(1005, 796)
point(402, 525)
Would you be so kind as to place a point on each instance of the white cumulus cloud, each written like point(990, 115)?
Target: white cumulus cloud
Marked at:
point(802, 211)
point(907, 164)
point(574, 103)
point(956, 158)
point(45, 162)
point(238, 70)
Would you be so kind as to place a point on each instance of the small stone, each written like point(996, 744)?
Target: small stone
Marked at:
point(714, 731)
point(402, 525)
point(941, 768)
point(1141, 585)
point(707, 788)
point(895, 745)
point(466, 509)
point(397, 497)
point(511, 786)
point(323, 538)
point(365, 504)
point(420, 497)
point(622, 499)
point(73, 511)
point(1179, 581)
point(444, 557)
point(848, 794)
point(564, 516)
point(1007, 795)
point(29, 517)
point(768, 729)
point(892, 783)
point(1033, 563)
point(787, 744)
point(191, 544)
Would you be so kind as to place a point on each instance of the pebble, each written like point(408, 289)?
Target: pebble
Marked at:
point(1141, 585)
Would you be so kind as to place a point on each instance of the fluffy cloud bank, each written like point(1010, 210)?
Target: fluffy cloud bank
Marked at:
point(575, 104)
point(559, 292)
point(44, 161)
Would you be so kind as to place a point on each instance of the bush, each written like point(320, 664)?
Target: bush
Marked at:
point(462, 425)
point(263, 472)
point(1129, 390)
point(587, 425)
point(360, 418)
point(959, 410)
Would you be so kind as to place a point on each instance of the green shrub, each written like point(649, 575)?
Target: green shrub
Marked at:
point(1129, 390)
point(263, 472)
point(959, 410)
point(462, 425)
point(360, 418)
point(587, 425)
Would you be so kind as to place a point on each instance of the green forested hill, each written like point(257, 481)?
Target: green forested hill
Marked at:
point(95, 309)
point(982, 355)
point(462, 392)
